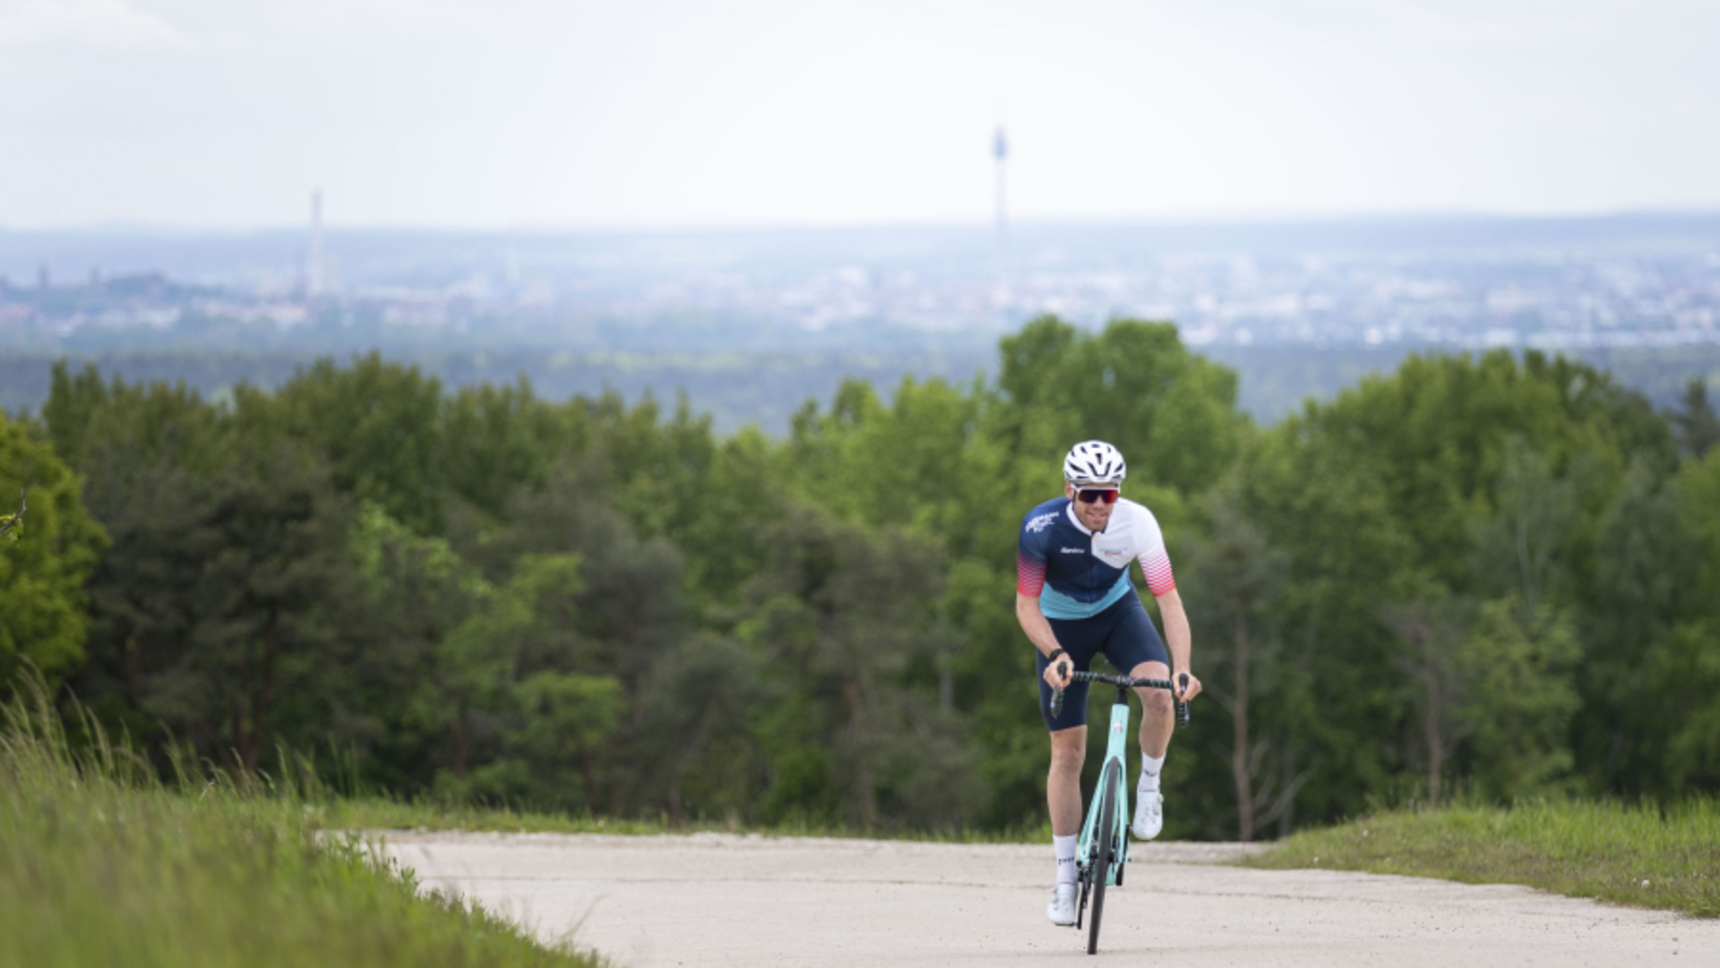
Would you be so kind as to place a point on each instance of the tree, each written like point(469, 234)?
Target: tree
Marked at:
point(1430, 628)
point(1135, 385)
point(222, 596)
point(1519, 698)
point(376, 424)
point(440, 641)
point(1522, 550)
point(1340, 716)
point(1238, 578)
point(565, 717)
point(45, 562)
point(1686, 682)
point(842, 615)
point(1649, 566)
point(699, 702)
point(1697, 424)
point(1686, 669)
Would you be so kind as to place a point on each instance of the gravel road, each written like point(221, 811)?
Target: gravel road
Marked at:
point(712, 899)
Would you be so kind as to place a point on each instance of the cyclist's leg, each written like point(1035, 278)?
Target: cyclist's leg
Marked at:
point(1068, 736)
point(1063, 780)
point(1134, 645)
point(1063, 784)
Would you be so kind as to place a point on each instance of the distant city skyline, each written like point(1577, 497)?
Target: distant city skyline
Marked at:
point(1598, 282)
point(676, 114)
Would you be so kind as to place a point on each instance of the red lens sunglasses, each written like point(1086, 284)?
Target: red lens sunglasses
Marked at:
point(1088, 495)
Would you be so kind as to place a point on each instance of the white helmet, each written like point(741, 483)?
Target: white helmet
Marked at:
point(1094, 462)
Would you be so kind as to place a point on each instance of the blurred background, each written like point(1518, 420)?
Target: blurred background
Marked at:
point(629, 409)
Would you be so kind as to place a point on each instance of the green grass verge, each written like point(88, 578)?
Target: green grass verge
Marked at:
point(381, 814)
point(1643, 856)
point(102, 865)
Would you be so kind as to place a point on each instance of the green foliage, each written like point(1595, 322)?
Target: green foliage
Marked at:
point(375, 423)
point(1172, 413)
point(1246, 666)
point(845, 614)
point(222, 594)
point(1520, 699)
point(1697, 425)
point(46, 557)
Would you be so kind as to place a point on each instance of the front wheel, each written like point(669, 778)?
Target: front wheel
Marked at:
point(1104, 850)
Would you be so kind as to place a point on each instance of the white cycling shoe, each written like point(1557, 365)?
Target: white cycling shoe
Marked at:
point(1061, 910)
point(1149, 814)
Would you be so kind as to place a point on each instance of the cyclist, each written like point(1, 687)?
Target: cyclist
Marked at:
point(1074, 600)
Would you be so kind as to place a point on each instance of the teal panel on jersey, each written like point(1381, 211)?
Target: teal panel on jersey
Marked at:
point(1055, 604)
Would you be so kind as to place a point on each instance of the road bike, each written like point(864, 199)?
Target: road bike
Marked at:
point(1104, 845)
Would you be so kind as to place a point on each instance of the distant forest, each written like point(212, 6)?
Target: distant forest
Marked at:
point(1490, 575)
point(767, 388)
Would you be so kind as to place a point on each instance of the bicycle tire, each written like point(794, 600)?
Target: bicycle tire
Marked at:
point(1104, 849)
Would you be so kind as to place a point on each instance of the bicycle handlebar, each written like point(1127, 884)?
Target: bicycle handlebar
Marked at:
point(1121, 682)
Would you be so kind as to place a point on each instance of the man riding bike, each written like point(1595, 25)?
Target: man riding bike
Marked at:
point(1074, 600)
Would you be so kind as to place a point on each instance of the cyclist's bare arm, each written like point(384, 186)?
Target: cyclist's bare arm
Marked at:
point(1038, 630)
point(1176, 637)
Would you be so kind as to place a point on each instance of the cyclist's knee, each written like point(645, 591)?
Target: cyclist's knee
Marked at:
point(1157, 702)
point(1068, 750)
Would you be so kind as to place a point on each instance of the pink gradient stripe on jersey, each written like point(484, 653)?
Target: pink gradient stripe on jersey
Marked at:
point(1029, 576)
point(1157, 567)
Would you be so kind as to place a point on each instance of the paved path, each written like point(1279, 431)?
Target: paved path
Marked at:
point(711, 899)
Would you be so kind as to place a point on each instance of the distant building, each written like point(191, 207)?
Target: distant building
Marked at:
point(1000, 151)
point(314, 257)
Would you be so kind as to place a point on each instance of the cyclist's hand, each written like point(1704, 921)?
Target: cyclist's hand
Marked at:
point(1188, 686)
point(1058, 672)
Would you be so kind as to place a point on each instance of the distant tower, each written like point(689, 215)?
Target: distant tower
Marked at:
point(1000, 151)
point(314, 258)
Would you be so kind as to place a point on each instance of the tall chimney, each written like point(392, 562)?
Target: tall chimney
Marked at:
point(314, 258)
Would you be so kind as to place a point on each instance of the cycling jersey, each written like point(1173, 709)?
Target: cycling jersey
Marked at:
point(1076, 573)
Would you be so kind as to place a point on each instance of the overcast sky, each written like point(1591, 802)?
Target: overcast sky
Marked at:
point(491, 113)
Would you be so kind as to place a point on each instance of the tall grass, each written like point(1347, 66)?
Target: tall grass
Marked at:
point(101, 864)
point(1645, 855)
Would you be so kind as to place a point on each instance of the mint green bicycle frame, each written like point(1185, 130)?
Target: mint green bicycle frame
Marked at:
point(1116, 745)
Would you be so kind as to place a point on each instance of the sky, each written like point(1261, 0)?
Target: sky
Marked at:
point(755, 113)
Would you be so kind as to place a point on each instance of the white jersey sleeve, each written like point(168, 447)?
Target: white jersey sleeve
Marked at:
point(1150, 551)
point(1156, 566)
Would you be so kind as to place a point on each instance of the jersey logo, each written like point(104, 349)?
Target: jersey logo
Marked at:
point(1073, 551)
point(1040, 523)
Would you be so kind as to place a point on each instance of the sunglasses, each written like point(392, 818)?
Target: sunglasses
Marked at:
point(1088, 495)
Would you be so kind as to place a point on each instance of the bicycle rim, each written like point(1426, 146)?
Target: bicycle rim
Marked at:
point(1104, 850)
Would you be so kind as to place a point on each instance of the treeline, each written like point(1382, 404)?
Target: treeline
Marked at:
point(1486, 574)
point(764, 385)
